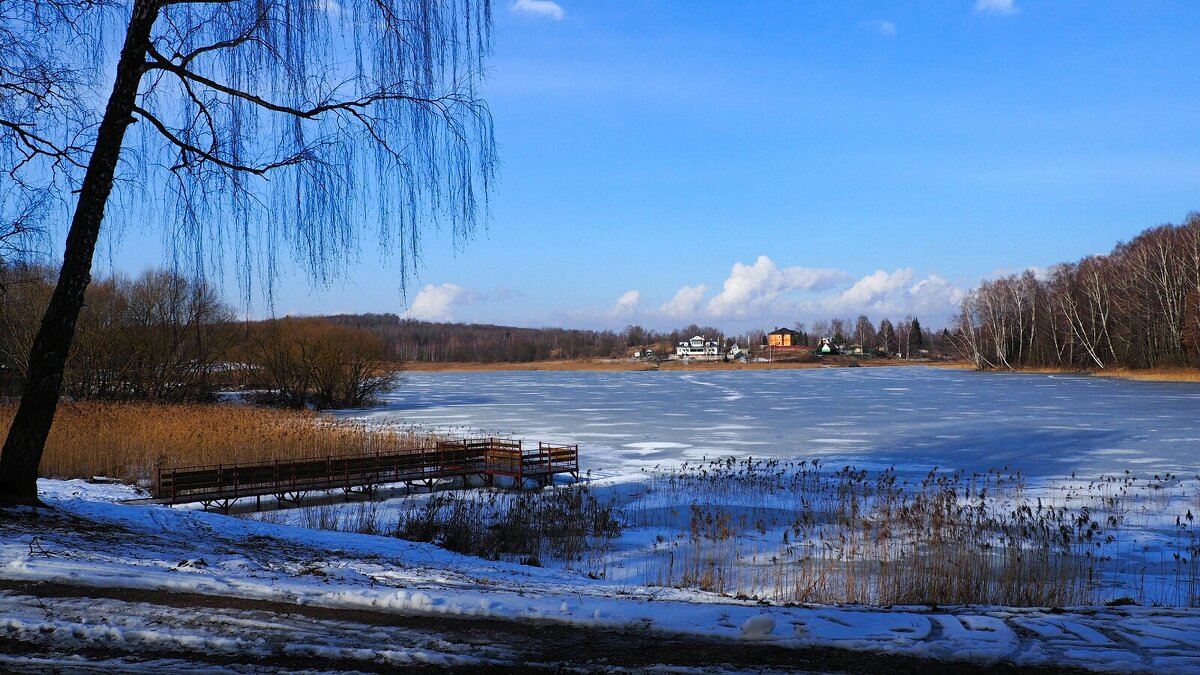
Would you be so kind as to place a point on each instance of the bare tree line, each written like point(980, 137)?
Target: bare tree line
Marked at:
point(408, 340)
point(164, 337)
point(414, 341)
point(1136, 307)
point(155, 337)
point(905, 338)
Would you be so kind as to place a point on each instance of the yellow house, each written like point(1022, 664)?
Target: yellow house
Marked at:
point(783, 337)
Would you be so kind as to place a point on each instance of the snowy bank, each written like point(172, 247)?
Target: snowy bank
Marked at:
point(89, 539)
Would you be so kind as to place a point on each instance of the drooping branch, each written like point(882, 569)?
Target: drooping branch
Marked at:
point(442, 103)
point(210, 155)
point(34, 145)
point(249, 35)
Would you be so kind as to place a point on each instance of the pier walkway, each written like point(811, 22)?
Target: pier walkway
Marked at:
point(486, 458)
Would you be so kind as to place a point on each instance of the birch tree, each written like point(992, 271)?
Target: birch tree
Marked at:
point(260, 129)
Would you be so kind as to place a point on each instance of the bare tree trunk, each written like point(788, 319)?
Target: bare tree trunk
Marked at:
point(26, 440)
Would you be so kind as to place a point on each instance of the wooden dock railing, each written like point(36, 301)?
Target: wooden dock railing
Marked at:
point(288, 481)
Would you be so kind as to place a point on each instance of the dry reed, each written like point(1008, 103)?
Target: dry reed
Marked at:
point(798, 532)
point(569, 524)
point(1141, 374)
point(1153, 374)
point(128, 440)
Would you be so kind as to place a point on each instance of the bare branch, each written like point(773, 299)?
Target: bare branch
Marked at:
point(384, 94)
point(36, 144)
point(189, 149)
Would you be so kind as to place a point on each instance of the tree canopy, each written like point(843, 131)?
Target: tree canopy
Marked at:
point(263, 127)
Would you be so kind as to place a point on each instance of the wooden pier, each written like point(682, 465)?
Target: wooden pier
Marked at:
point(288, 481)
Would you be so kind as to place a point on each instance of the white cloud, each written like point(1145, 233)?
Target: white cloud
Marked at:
point(871, 288)
point(541, 8)
point(762, 294)
point(884, 28)
point(436, 303)
point(996, 6)
point(883, 294)
point(750, 288)
point(627, 302)
point(685, 303)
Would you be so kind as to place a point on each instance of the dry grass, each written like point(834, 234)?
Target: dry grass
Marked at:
point(127, 440)
point(1154, 374)
point(1142, 374)
point(798, 532)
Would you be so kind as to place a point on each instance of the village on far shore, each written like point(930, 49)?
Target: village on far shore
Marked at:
point(781, 344)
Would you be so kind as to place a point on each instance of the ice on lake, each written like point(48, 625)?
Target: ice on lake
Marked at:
point(917, 417)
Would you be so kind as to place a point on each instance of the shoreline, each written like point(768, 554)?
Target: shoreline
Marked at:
point(1138, 375)
point(631, 365)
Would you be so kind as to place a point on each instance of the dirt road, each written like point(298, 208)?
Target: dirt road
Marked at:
point(233, 634)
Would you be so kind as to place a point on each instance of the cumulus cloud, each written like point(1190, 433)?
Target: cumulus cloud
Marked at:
point(996, 6)
point(436, 303)
point(547, 9)
point(751, 288)
point(763, 294)
point(685, 303)
point(892, 294)
point(873, 287)
point(627, 302)
point(884, 28)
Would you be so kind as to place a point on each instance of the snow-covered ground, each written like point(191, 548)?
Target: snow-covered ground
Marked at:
point(1063, 433)
point(91, 540)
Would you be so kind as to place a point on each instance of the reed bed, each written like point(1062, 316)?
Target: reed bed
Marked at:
point(1153, 374)
point(799, 532)
point(569, 524)
point(1180, 374)
point(128, 440)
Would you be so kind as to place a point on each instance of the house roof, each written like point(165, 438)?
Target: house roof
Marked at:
point(784, 331)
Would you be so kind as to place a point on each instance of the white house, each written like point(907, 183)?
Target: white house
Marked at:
point(736, 352)
point(698, 348)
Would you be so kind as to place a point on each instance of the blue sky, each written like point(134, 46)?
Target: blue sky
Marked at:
point(755, 164)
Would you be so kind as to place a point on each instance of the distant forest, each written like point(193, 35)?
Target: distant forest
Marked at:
point(408, 340)
point(1136, 307)
point(424, 341)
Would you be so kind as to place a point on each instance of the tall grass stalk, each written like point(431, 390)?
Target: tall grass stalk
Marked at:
point(128, 440)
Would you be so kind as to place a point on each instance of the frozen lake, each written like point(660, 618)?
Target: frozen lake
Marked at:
point(915, 417)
